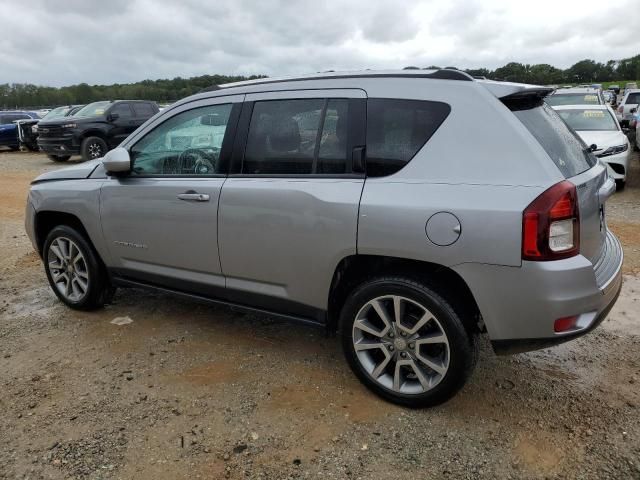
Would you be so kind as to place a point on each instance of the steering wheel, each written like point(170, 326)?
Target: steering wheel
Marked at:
point(198, 161)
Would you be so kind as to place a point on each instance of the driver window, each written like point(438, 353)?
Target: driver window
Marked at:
point(188, 143)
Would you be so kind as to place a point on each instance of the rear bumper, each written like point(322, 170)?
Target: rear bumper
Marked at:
point(520, 304)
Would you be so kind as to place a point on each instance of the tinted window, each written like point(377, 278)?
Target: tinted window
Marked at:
point(564, 147)
point(397, 129)
point(143, 110)
point(188, 143)
point(332, 154)
point(282, 137)
point(633, 98)
point(123, 110)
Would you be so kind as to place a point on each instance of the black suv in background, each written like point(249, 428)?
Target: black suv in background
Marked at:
point(94, 130)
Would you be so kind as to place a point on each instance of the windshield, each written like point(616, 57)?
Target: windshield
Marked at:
point(93, 109)
point(584, 119)
point(56, 113)
point(573, 99)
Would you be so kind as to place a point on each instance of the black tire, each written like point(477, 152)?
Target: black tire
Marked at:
point(92, 148)
point(14, 148)
point(32, 147)
point(463, 345)
point(99, 290)
point(620, 184)
point(59, 158)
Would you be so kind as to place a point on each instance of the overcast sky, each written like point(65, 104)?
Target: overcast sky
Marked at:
point(65, 42)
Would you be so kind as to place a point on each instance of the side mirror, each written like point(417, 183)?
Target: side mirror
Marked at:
point(593, 147)
point(634, 110)
point(113, 117)
point(117, 161)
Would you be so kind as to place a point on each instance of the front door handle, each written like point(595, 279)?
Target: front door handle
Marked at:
point(194, 197)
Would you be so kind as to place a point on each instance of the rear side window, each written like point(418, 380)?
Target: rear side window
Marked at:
point(564, 147)
point(143, 110)
point(397, 129)
point(297, 137)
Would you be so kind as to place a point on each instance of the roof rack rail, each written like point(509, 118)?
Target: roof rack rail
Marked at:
point(442, 74)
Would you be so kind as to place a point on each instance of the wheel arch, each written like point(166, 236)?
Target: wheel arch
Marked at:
point(351, 271)
point(47, 220)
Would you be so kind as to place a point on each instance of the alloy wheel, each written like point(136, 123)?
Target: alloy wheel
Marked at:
point(95, 150)
point(68, 268)
point(401, 344)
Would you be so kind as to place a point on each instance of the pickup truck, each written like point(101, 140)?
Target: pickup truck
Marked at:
point(94, 129)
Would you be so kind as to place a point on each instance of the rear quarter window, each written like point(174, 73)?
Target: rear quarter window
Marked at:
point(397, 130)
point(143, 110)
point(561, 143)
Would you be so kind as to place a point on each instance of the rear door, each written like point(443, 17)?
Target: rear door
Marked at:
point(577, 164)
point(289, 211)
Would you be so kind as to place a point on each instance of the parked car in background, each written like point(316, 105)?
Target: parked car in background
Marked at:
point(576, 96)
point(9, 129)
point(615, 89)
point(94, 129)
point(630, 86)
point(598, 128)
point(28, 129)
point(348, 201)
point(629, 101)
point(608, 96)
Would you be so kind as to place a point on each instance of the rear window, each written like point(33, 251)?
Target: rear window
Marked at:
point(397, 129)
point(633, 98)
point(562, 144)
point(573, 99)
point(588, 119)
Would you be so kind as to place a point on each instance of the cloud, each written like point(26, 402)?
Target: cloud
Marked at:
point(93, 41)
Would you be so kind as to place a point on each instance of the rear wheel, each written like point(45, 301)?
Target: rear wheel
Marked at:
point(59, 158)
point(92, 148)
point(405, 342)
point(74, 271)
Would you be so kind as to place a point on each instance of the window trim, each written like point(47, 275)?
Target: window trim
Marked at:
point(225, 149)
point(357, 115)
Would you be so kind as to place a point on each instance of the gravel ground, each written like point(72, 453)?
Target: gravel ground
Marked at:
point(192, 391)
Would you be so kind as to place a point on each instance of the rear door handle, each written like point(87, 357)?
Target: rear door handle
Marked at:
point(194, 197)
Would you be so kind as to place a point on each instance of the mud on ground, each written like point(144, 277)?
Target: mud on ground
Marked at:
point(193, 391)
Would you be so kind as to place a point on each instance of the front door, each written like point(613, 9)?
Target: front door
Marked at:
point(289, 209)
point(160, 221)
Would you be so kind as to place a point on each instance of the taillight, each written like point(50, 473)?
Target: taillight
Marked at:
point(551, 224)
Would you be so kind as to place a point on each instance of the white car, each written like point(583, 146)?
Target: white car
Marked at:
point(599, 129)
point(630, 101)
point(575, 96)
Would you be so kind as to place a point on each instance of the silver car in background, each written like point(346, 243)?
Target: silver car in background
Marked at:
point(576, 96)
point(351, 201)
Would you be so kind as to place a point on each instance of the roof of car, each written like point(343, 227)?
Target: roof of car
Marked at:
point(499, 89)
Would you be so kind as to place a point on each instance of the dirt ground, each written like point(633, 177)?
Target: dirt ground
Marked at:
point(192, 391)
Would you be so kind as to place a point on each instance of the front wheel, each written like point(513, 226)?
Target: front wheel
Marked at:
point(92, 148)
point(405, 342)
point(74, 271)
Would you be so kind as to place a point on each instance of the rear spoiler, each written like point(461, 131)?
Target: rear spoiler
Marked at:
point(517, 96)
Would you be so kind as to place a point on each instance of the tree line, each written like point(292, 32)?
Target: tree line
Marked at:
point(22, 95)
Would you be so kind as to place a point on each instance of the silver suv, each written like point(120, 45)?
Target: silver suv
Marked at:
point(407, 211)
